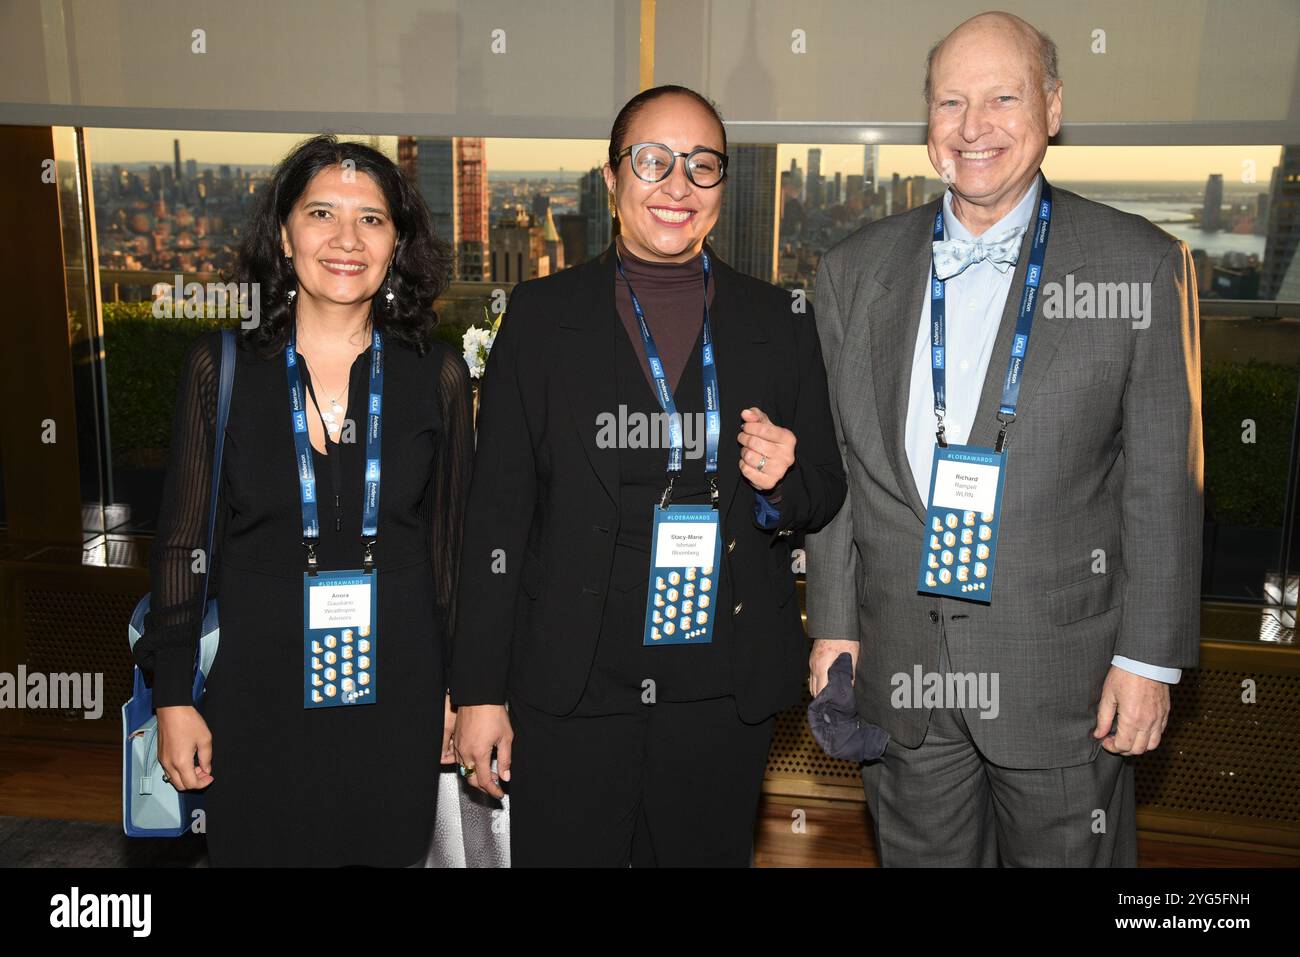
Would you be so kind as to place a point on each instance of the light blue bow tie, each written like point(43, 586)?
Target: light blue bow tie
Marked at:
point(951, 256)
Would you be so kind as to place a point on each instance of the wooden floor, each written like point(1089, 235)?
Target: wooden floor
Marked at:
point(82, 782)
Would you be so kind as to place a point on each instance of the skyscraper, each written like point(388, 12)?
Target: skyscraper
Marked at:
point(594, 206)
point(552, 244)
point(1280, 272)
point(472, 205)
point(1210, 221)
point(813, 184)
point(518, 250)
point(746, 232)
point(451, 175)
point(435, 178)
point(870, 163)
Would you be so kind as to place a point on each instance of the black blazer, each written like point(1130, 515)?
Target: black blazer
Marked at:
point(543, 507)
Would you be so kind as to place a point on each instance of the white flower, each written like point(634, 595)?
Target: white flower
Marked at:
point(477, 344)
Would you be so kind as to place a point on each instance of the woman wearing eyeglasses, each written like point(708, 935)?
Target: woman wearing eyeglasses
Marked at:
point(653, 428)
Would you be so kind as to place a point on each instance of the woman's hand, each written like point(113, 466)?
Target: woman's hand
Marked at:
point(182, 733)
point(758, 438)
point(448, 728)
point(480, 728)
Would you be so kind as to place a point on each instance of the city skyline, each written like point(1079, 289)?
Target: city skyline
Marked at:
point(1085, 163)
point(789, 203)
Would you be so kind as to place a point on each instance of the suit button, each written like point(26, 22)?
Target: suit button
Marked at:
point(934, 616)
point(731, 546)
point(736, 610)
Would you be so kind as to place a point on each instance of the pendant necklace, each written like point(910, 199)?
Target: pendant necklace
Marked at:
point(333, 417)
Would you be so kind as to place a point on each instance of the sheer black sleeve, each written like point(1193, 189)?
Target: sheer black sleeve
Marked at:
point(171, 629)
point(450, 487)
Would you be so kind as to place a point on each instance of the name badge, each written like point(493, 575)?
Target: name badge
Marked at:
point(687, 543)
point(339, 646)
point(961, 519)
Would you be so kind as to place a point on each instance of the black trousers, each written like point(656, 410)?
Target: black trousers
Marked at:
point(675, 784)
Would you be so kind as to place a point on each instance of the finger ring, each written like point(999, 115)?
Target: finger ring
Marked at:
point(466, 771)
point(166, 779)
point(762, 460)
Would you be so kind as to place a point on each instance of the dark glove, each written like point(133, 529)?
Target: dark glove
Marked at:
point(834, 722)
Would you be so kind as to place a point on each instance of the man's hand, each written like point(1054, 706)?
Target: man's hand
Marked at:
point(1143, 706)
point(823, 655)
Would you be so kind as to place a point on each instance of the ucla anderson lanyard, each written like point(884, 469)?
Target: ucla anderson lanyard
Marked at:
point(307, 471)
point(1024, 323)
point(712, 416)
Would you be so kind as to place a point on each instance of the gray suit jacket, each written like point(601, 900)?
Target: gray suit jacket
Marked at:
point(1105, 455)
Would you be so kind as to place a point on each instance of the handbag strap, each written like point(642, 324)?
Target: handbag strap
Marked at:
point(219, 441)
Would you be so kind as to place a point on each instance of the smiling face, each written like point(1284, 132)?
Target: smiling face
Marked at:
point(341, 237)
point(989, 117)
point(667, 221)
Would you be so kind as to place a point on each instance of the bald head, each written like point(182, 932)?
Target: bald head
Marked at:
point(1029, 45)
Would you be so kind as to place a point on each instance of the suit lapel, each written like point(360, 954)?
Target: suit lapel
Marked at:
point(893, 338)
point(737, 333)
point(587, 359)
point(1064, 255)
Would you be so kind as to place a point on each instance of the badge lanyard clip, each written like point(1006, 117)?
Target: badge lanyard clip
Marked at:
point(1002, 433)
point(666, 499)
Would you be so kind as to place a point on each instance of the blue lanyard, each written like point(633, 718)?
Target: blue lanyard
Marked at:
point(712, 415)
point(302, 446)
point(1024, 323)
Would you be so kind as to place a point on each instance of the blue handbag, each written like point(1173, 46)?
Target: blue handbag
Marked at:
point(151, 807)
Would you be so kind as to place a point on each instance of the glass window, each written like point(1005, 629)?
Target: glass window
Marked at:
point(169, 204)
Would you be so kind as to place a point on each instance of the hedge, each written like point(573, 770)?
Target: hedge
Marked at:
point(1245, 483)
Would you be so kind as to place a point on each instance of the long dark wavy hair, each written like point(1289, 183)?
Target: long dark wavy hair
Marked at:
point(422, 263)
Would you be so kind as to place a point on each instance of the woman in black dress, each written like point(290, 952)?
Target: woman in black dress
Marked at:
point(343, 249)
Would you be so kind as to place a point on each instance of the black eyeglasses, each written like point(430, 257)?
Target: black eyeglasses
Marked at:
point(654, 162)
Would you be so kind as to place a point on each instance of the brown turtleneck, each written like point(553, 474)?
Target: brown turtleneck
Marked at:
point(671, 296)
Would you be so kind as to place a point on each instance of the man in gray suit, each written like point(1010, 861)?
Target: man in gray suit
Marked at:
point(1013, 713)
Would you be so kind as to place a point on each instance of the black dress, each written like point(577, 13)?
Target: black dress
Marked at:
point(332, 786)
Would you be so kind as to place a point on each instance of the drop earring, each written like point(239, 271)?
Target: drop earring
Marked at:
point(288, 296)
point(389, 286)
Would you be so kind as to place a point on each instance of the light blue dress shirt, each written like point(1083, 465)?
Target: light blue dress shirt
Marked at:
point(975, 299)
